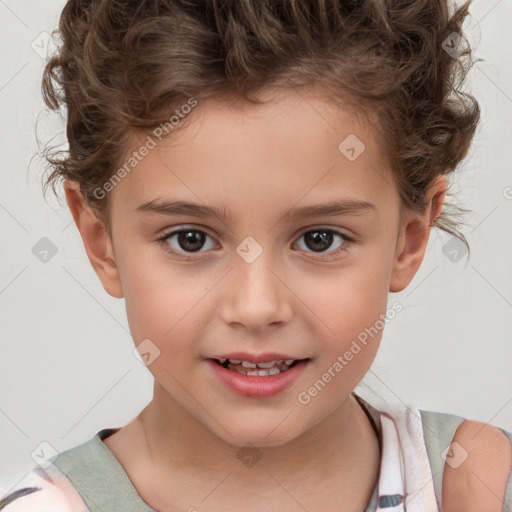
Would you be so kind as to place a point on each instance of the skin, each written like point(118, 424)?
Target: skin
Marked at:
point(258, 162)
point(479, 482)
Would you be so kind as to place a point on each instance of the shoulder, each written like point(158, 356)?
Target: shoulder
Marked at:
point(44, 490)
point(477, 470)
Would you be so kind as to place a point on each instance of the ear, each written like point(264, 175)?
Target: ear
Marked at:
point(96, 239)
point(413, 236)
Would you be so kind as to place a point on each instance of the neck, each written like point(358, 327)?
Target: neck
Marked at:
point(340, 444)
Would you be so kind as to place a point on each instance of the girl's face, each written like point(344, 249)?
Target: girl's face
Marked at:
point(249, 280)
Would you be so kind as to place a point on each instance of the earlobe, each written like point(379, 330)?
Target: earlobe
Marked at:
point(97, 242)
point(414, 235)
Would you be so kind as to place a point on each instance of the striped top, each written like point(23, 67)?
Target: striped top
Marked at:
point(414, 445)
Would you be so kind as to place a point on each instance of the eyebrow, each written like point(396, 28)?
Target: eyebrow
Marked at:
point(183, 208)
point(340, 207)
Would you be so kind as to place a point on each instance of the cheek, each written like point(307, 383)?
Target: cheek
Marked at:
point(161, 301)
point(347, 299)
point(346, 312)
point(346, 315)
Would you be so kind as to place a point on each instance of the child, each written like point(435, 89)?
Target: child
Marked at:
point(257, 130)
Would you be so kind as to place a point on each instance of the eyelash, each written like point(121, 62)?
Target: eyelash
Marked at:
point(347, 241)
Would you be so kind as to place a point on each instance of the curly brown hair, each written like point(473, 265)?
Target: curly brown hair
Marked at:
point(123, 66)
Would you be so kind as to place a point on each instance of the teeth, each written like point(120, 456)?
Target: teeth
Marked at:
point(236, 368)
point(248, 364)
point(266, 365)
point(264, 373)
point(260, 372)
point(260, 369)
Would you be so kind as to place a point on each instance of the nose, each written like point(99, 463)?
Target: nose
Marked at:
point(256, 296)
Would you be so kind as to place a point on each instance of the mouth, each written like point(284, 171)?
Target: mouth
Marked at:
point(265, 376)
point(259, 369)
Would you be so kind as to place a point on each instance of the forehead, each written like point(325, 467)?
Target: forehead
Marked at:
point(298, 148)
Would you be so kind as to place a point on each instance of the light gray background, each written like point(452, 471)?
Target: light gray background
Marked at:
point(67, 366)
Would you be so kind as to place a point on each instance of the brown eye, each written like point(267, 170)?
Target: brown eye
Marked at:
point(320, 239)
point(190, 240)
point(185, 241)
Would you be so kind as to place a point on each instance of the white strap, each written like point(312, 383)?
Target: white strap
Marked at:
point(391, 482)
point(405, 467)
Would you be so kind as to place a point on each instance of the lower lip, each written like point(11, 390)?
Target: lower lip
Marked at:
point(254, 386)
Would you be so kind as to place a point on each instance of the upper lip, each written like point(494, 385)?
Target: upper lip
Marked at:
point(257, 358)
